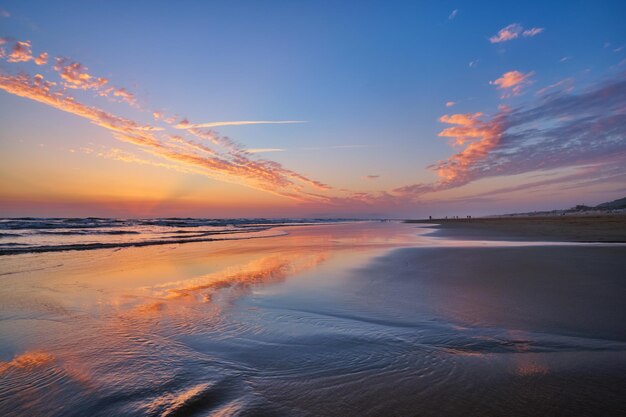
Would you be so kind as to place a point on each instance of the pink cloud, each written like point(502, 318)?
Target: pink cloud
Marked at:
point(42, 59)
point(513, 81)
point(565, 85)
point(233, 165)
point(76, 76)
point(125, 96)
point(21, 52)
point(560, 130)
point(514, 31)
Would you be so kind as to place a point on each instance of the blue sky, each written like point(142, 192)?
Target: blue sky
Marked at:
point(370, 79)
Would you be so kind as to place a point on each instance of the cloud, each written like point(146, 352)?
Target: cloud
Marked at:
point(184, 124)
point(4, 13)
point(565, 85)
point(532, 32)
point(513, 81)
point(42, 59)
point(450, 103)
point(125, 96)
point(264, 150)
point(582, 176)
point(481, 137)
point(561, 130)
point(75, 75)
point(232, 165)
point(474, 63)
point(514, 31)
point(22, 52)
point(372, 177)
point(453, 14)
point(128, 157)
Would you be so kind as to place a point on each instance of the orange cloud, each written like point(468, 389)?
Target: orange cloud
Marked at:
point(514, 81)
point(42, 59)
point(125, 96)
point(481, 136)
point(234, 165)
point(76, 76)
point(22, 52)
point(450, 103)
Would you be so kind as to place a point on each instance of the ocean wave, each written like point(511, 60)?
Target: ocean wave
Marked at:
point(7, 249)
point(36, 235)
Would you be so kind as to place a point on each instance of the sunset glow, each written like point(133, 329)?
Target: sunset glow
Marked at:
point(312, 208)
point(183, 138)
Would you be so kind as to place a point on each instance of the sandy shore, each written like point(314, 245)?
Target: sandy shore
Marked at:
point(608, 228)
point(360, 319)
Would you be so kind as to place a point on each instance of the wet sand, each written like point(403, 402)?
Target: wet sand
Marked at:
point(590, 228)
point(351, 319)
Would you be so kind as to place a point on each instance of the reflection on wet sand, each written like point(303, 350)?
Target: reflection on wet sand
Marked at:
point(26, 360)
point(327, 320)
point(110, 317)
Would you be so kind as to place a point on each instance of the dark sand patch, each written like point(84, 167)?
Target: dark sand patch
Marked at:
point(606, 228)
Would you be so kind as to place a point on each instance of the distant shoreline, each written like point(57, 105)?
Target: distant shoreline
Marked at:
point(608, 228)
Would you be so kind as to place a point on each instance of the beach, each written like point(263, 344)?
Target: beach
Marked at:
point(359, 318)
point(570, 228)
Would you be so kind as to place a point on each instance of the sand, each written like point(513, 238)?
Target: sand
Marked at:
point(606, 228)
point(361, 319)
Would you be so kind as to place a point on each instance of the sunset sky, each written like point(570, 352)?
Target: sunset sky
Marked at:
point(299, 109)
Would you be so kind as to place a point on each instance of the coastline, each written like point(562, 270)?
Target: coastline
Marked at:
point(582, 229)
point(266, 326)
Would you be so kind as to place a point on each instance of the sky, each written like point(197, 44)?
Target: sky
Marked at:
point(310, 109)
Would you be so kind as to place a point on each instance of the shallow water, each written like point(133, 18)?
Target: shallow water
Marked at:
point(343, 319)
point(37, 235)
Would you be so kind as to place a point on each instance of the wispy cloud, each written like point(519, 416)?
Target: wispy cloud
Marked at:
point(264, 150)
point(185, 124)
point(513, 82)
point(450, 103)
point(514, 31)
point(561, 130)
point(129, 157)
point(453, 14)
point(229, 161)
point(565, 85)
point(372, 177)
point(75, 75)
